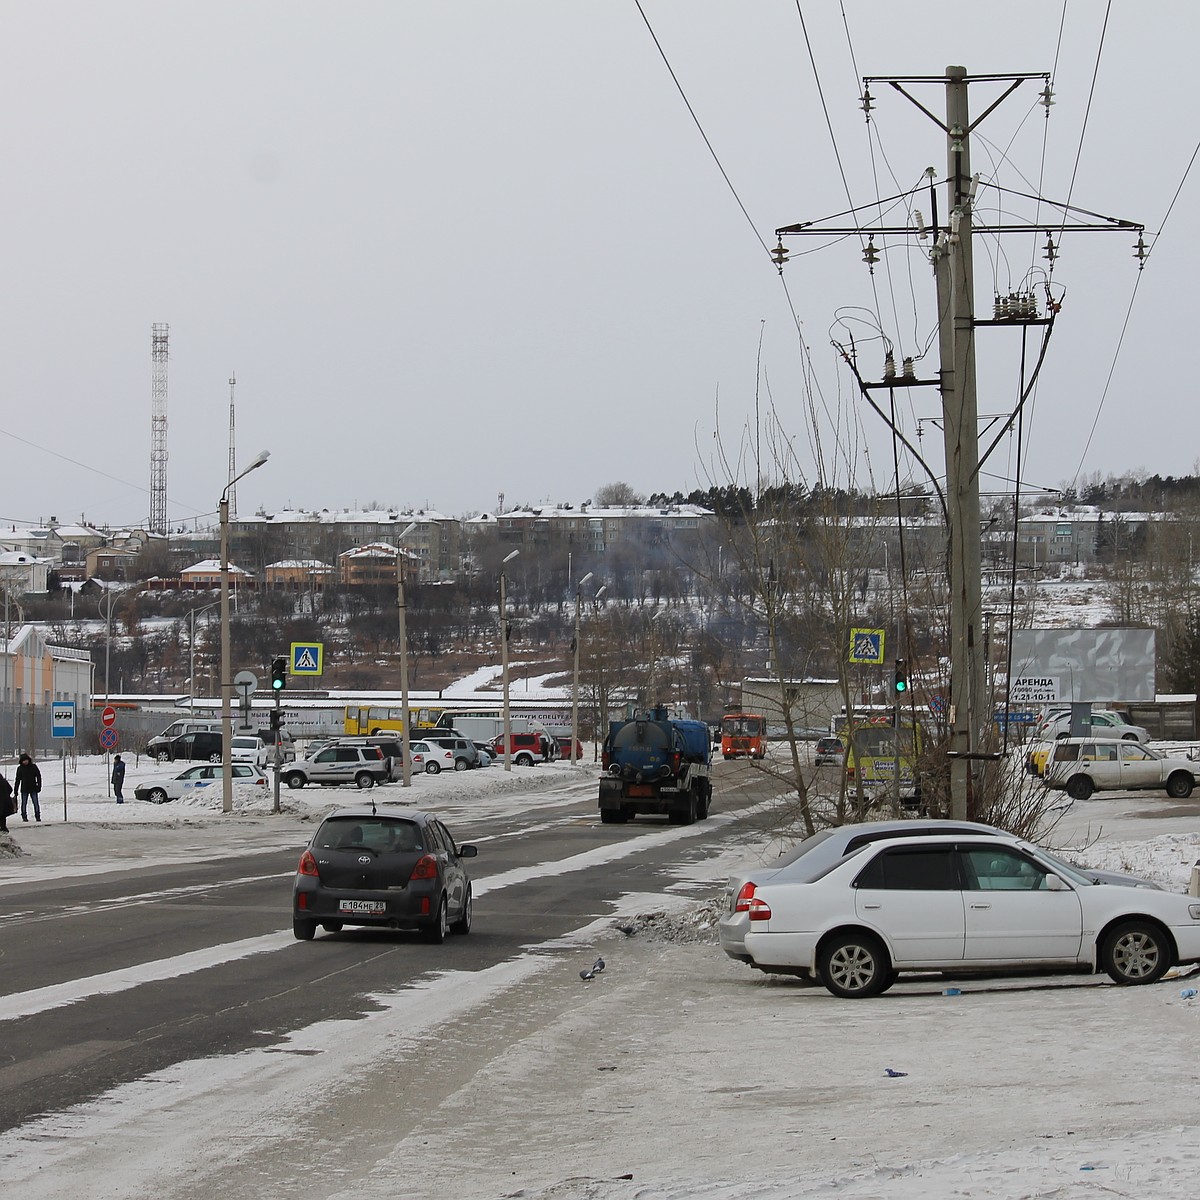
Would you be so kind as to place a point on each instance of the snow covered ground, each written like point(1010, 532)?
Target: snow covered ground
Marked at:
point(675, 1073)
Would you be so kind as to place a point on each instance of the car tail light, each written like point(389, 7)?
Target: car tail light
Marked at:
point(308, 864)
point(753, 905)
point(742, 904)
point(426, 868)
point(760, 910)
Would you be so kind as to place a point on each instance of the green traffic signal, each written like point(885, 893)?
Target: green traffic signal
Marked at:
point(901, 676)
point(278, 673)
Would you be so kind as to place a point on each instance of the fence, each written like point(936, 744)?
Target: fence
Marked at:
point(26, 728)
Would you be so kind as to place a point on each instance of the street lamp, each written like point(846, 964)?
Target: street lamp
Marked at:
point(406, 765)
point(575, 690)
point(226, 681)
point(504, 661)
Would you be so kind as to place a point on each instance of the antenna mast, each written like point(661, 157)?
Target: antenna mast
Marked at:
point(232, 451)
point(159, 337)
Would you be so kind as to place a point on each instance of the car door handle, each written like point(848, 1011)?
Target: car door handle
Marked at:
point(981, 905)
point(872, 906)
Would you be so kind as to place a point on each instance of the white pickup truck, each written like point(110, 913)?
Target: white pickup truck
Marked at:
point(1082, 766)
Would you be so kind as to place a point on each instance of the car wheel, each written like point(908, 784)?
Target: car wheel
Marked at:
point(854, 966)
point(163, 757)
point(1180, 784)
point(1136, 952)
point(1129, 737)
point(461, 764)
point(611, 816)
point(463, 924)
point(214, 758)
point(436, 933)
point(304, 930)
point(332, 926)
point(432, 768)
point(1079, 787)
point(157, 796)
point(364, 779)
point(294, 779)
point(524, 760)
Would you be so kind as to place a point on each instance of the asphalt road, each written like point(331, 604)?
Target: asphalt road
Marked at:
point(108, 977)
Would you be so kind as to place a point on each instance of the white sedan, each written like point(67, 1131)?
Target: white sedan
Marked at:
point(956, 904)
point(206, 775)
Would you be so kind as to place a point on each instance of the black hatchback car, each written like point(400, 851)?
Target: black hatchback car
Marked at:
point(389, 870)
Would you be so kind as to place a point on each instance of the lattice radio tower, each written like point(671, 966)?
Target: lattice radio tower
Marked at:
point(232, 451)
point(159, 337)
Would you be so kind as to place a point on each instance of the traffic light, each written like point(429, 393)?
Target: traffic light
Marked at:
point(901, 676)
point(279, 673)
point(276, 718)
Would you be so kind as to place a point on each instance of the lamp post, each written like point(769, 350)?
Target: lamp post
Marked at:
point(226, 681)
point(406, 765)
point(575, 689)
point(504, 661)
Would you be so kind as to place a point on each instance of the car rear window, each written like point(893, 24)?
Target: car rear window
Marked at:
point(384, 835)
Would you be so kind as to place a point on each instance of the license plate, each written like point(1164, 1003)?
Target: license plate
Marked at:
point(369, 907)
point(640, 789)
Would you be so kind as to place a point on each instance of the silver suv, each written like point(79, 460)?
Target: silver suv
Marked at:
point(364, 766)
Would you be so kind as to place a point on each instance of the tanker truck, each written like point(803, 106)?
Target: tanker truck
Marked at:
point(654, 764)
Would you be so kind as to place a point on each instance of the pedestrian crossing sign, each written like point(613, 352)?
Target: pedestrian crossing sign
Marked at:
point(866, 646)
point(308, 658)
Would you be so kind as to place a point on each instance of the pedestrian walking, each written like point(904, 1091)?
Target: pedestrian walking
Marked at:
point(7, 805)
point(118, 777)
point(28, 781)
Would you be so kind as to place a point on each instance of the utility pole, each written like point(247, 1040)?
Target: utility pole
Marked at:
point(956, 333)
point(951, 257)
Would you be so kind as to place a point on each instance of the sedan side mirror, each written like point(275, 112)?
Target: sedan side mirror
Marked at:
point(467, 851)
point(1055, 883)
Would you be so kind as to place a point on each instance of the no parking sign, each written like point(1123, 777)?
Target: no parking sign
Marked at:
point(108, 739)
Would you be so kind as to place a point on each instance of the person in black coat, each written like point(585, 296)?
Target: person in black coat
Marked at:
point(28, 781)
point(118, 778)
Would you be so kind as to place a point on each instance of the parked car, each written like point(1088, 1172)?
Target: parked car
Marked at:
point(389, 870)
point(526, 749)
point(431, 758)
point(1102, 722)
point(957, 903)
point(829, 750)
point(204, 745)
point(287, 744)
point(815, 855)
point(390, 745)
point(485, 753)
point(564, 749)
point(194, 779)
point(463, 755)
point(1081, 766)
point(364, 766)
point(248, 747)
point(163, 746)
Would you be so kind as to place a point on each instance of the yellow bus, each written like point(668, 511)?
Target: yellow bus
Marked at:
point(877, 747)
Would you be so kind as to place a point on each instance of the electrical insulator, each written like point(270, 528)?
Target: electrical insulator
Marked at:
point(779, 255)
point(997, 307)
point(908, 369)
point(889, 367)
point(1047, 99)
point(1139, 252)
point(870, 254)
point(865, 102)
point(1050, 249)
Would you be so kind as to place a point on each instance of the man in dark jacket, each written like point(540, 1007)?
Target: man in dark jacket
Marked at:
point(28, 781)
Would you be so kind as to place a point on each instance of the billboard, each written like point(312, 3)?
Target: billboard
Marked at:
point(1083, 666)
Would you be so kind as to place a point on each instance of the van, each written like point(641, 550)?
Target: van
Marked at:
point(159, 746)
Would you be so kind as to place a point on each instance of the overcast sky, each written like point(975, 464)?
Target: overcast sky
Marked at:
point(456, 250)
